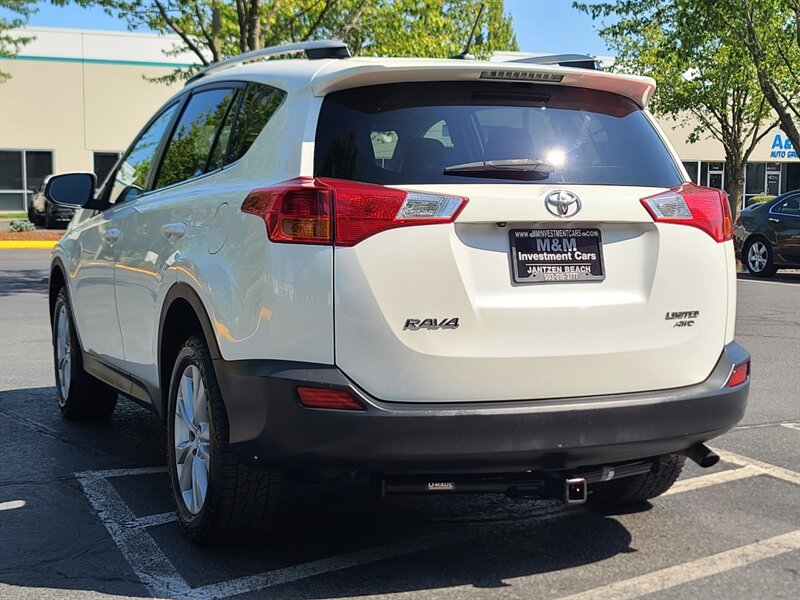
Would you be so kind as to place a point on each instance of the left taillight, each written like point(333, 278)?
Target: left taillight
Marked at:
point(704, 208)
point(297, 211)
point(344, 213)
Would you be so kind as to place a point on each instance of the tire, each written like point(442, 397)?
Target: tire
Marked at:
point(32, 215)
point(637, 489)
point(757, 257)
point(48, 220)
point(238, 502)
point(80, 396)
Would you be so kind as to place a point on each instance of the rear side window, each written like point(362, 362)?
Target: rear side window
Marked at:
point(586, 136)
point(790, 206)
point(258, 105)
point(194, 136)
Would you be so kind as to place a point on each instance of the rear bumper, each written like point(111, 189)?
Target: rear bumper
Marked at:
point(268, 425)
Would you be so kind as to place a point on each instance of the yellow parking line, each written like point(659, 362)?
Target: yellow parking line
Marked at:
point(27, 244)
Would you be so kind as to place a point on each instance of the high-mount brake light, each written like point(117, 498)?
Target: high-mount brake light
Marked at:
point(344, 213)
point(693, 205)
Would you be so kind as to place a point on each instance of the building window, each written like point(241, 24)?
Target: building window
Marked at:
point(21, 173)
point(103, 163)
point(754, 179)
point(692, 169)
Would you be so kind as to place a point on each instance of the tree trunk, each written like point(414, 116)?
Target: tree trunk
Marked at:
point(216, 27)
point(254, 26)
point(734, 174)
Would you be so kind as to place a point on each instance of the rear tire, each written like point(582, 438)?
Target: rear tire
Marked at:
point(218, 498)
point(637, 489)
point(758, 258)
point(79, 395)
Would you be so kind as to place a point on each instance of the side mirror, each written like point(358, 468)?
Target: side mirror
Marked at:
point(71, 189)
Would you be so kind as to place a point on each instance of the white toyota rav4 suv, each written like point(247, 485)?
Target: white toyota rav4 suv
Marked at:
point(451, 275)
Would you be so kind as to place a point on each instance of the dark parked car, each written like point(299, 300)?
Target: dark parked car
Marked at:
point(767, 235)
point(43, 212)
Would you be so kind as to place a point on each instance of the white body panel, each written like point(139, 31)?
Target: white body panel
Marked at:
point(264, 300)
point(514, 341)
point(89, 259)
point(524, 341)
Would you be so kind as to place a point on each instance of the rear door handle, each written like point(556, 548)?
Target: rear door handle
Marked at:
point(173, 231)
point(112, 235)
point(774, 220)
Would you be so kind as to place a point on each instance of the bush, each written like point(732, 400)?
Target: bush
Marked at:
point(757, 199)
point(21, 226)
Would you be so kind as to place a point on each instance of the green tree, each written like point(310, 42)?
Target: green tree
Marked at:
point(18, 12)
point(215, 29)
point(770, 31)
point(704, 75)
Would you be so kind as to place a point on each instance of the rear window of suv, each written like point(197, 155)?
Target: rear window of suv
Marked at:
point(585, 136)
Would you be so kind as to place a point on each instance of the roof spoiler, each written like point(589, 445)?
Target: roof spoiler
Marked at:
point(579, 61)
point(313, 50)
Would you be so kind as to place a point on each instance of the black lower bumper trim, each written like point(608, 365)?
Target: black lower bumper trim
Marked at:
point(269, 426)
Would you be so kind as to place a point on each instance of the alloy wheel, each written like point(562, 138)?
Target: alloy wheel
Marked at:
point(63, 353)
point(192, 439)
point(757, 256)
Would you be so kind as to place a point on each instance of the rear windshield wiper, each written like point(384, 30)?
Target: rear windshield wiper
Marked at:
point(512, 168)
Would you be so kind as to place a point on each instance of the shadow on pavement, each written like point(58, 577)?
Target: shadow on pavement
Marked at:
point(23, 280)
point(779, 277)
point(57, 542)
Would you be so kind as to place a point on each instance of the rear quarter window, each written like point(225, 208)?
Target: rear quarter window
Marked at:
point(588, 136)
point(258, 105)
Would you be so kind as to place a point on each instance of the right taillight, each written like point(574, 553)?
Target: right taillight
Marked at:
point(344, 213)
point(739, 374)
point(688, 204)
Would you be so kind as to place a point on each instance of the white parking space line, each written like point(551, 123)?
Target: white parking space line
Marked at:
point(122, 472)
point(722, 562)
point(795, 426)
point(703, 481)
point(768, 282)
point(161, 578)
point(766, 468)
point(144, 556)
point(764, 426)
point(153, 520)
point(12, 504)
point(359, 558)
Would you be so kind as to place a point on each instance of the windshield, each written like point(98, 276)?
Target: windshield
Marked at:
point(411, 132)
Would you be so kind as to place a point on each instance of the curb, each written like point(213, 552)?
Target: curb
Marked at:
point(27, 244)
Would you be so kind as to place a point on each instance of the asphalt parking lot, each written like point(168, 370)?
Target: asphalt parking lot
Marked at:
point(85, 508)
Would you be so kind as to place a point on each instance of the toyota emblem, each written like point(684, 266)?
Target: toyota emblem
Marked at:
point(562, 203)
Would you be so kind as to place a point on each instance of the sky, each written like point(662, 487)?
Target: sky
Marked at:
point(550, 26)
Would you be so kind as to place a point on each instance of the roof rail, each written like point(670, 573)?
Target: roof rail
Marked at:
point(313, 50)
point(580, 61)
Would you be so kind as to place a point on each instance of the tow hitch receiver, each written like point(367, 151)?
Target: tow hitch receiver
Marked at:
point(575, 490)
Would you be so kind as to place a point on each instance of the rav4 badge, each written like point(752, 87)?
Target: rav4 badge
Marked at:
point(431, 324)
